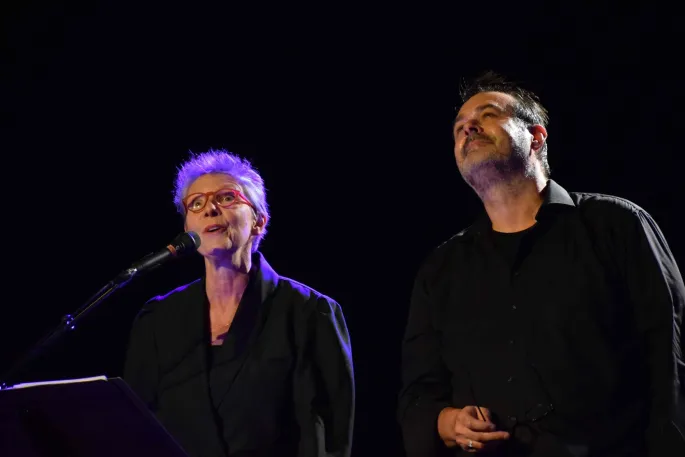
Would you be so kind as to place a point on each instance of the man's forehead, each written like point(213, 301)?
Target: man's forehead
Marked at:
point(497, 99)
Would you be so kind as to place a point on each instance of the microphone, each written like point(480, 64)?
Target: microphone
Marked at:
point(183, 244)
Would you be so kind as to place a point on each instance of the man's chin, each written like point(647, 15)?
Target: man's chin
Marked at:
point(479, 158)
point(490, 166)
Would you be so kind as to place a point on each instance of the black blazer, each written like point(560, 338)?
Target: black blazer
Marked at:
point(283, 385)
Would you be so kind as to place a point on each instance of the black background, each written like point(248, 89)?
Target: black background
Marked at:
point(345, 111)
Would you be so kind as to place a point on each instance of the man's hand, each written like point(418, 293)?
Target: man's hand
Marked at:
point(466, 428)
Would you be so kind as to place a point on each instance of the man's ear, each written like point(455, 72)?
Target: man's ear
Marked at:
point(539, 137)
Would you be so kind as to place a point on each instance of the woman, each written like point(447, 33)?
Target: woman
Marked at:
point(241, 361)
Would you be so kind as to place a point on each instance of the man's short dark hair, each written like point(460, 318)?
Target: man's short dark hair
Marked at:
point(527, 108)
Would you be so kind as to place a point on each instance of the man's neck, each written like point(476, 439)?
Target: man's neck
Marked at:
point(512, 205)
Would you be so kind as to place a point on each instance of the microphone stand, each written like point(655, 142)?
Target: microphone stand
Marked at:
point(67, 324)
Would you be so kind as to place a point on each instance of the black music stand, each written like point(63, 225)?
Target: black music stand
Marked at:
point(81, 418)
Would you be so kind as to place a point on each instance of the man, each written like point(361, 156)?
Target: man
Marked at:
point(552, 325)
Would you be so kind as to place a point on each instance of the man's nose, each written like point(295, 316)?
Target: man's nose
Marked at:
point(472, 127)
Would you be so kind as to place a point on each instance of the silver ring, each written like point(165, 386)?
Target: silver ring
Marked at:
point(470, 444)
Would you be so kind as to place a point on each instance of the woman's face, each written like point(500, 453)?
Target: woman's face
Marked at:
point(224, 218)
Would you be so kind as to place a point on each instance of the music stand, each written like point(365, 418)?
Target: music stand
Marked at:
point(80, 418)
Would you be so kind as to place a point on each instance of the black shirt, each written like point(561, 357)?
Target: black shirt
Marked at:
point(507, 245)
point(571, 329)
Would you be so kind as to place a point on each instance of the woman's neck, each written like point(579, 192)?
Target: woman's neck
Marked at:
point(226, 280)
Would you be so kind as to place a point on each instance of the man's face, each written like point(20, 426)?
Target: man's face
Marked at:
point(489, 140)
point(485, 129)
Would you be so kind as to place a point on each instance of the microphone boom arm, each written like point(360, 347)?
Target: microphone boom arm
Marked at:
point(69, 321)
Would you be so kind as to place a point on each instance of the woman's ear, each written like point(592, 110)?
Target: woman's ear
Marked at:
point(259, 224)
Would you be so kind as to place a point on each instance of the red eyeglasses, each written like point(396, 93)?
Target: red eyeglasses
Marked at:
point(224, 198)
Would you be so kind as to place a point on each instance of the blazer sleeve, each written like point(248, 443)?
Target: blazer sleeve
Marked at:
point(141, 360)
point(324, 383)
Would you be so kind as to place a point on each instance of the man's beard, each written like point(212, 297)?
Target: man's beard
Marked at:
point(497, 169)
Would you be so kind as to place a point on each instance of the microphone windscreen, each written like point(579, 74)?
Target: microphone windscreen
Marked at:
point(186, 243)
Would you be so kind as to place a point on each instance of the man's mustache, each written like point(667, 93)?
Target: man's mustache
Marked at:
point(474, 137)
